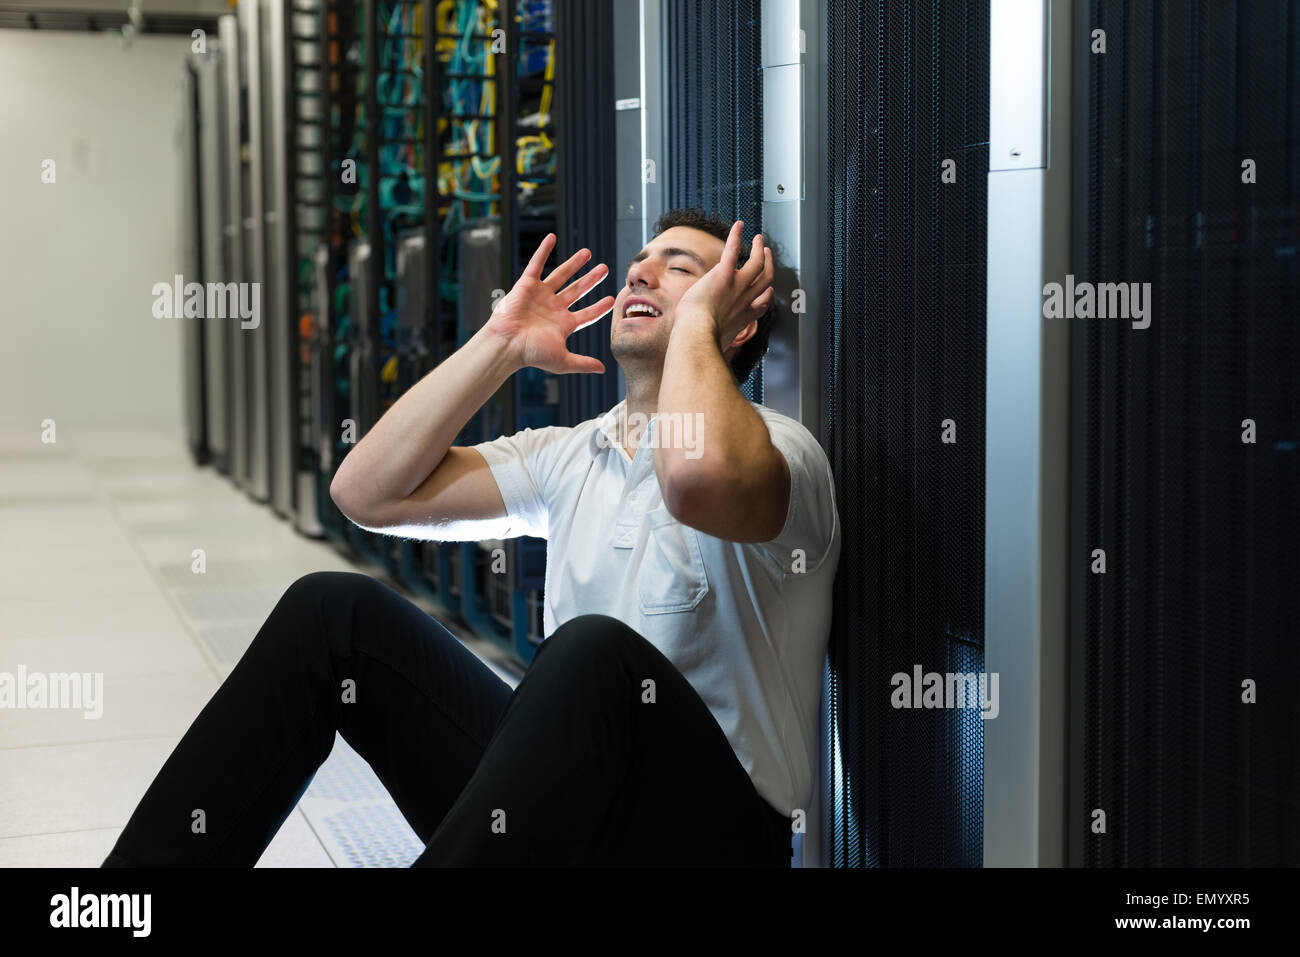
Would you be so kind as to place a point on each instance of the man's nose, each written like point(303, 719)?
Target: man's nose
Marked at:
point(639, 275)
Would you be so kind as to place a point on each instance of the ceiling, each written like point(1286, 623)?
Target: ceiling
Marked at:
point(158, 16)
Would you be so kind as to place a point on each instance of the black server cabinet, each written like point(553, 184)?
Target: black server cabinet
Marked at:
point(586, 205)
point(1184, 438)
point(903, 350)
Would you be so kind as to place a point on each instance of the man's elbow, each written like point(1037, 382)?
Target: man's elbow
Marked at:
point(343, 495)
point(695, 492)
point(726, 506)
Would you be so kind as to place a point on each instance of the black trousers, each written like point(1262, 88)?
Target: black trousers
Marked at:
point(604, 755)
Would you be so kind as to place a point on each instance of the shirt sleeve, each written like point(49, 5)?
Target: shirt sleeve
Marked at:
point(812, 525)
point(522, 465)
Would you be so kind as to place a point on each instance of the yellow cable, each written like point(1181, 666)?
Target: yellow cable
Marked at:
point(418, 44)
point(550, 75)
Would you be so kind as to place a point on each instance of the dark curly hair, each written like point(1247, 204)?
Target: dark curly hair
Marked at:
point(749, 354)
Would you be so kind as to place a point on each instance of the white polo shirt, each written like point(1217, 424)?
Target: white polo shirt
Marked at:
point(745, 624)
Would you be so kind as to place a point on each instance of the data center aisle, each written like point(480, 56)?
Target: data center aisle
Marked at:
point(97, 575)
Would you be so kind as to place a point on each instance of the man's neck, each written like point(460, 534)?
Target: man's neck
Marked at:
point(642, 402)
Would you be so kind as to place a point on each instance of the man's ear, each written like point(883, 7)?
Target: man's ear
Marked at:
point(743, 336)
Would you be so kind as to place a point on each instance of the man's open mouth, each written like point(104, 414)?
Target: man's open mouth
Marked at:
point(641, 310)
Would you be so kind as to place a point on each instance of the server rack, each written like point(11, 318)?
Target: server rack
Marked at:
point(374, 46)
point(713, 70)
point(587, 211)
point(471, 68)
point(363, 360)
point(278, 294)
point(513, 599)
point(478, 272)
point(304, 227)
point(431, 334)
point(368, 281)
point(363, 298)
point(469, 124)
point(448, 144)
point(907, 90)
point(587, 187)
point(396, 206)
point(255, 337)
point(413, 359)
point(340, 91)
point(189, 210)
point(407, 169)
point(213, 170)
point(232, 91)
point(1186, 177)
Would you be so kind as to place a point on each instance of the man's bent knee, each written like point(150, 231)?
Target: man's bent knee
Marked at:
point(591, 638)
point(302, 612)
point(319, 584)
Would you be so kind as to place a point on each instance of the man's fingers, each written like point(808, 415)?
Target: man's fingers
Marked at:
point(534, 267)
point(731, 251)
point(764, 300)
point(580, 287)
point(764, 277)
point(561, 273)
point(593, 313)
point(754, 267)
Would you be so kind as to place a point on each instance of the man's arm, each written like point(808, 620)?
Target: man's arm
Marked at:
point(404, 477)
point(404, 471)
point(738, 487)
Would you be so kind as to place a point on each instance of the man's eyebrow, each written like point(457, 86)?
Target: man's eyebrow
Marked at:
point(668, 253)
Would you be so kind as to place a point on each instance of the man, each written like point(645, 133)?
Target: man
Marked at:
point(670, 714)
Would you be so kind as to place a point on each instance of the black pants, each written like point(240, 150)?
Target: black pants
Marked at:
point(585, 763)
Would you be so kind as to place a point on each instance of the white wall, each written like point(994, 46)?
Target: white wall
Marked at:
point(78, 258)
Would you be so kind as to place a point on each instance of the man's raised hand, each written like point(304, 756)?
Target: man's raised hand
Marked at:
point(535, 320)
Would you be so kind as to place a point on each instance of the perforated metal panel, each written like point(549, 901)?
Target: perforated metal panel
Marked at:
point(586, 211)
point(903, 351)
point(714, 117)
point(1200, 529)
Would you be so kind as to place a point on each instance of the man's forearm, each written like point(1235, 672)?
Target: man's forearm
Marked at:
point(733, 438)
point(410, 440)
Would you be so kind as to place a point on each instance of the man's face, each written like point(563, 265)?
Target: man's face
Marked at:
point(657, 278)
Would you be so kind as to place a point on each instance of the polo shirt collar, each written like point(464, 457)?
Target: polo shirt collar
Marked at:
point(607, 431)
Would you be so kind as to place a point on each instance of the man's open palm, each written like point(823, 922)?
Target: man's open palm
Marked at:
point(535, 317)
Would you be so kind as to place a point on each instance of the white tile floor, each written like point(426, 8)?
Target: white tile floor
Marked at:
point(97, 533)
